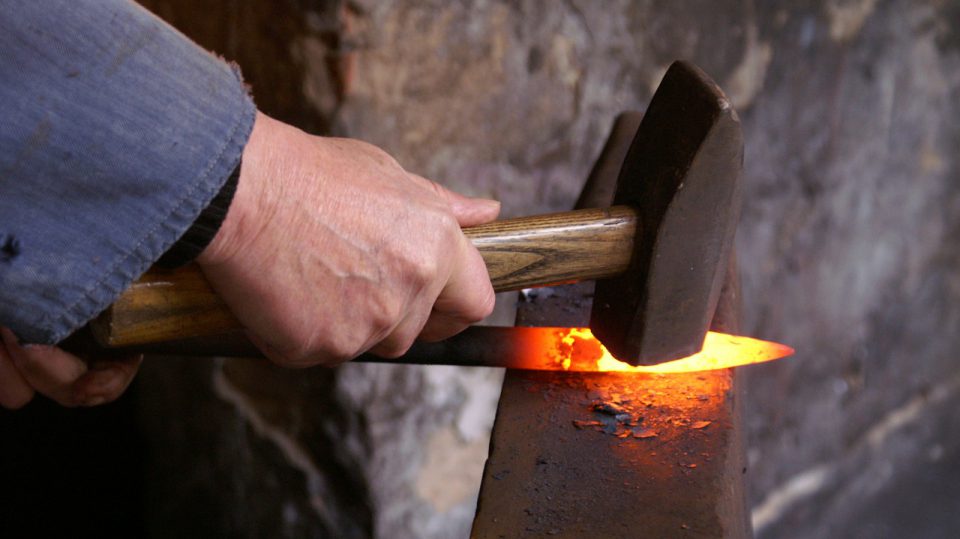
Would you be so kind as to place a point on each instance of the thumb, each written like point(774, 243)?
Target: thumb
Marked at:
point(468, 211)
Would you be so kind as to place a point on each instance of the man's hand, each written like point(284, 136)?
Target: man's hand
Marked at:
point(65, 378)
point(331, 249)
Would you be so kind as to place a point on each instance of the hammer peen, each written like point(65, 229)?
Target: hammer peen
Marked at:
point(659, 254)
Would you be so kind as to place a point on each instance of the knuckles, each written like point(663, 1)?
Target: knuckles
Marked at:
point(413, 240)
point(386, 310)
point(481, 309)
point(414, 265)
point(395, 349)
point(427, 257)
point(329, 349)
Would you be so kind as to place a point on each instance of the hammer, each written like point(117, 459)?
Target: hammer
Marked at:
point(659, 254)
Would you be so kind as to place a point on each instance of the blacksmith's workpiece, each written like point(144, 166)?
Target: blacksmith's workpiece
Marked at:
point(658, 254)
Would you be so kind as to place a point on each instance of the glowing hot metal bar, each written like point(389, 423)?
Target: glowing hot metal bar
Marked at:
point(576, 350)
point(581, 351)
point(527, 348)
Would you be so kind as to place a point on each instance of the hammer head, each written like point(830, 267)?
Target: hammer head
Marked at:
point(682, 173)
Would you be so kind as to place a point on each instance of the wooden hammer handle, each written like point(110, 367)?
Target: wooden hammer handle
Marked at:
point(520, 253)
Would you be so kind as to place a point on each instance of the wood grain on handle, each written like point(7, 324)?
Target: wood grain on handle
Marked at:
point(520, 253)
point(164, 305)
point(557, 248)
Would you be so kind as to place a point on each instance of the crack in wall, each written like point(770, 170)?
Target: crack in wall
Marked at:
point(295, 455)
point(798, 488)
point(846, 17)
point(745, 82)
point(793, 491)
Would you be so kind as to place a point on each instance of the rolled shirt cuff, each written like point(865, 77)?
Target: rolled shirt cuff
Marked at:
point(118, 132)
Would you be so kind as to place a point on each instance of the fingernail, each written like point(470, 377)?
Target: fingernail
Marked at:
point(489, 203)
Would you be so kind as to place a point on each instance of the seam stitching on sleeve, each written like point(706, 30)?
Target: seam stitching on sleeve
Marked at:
point(88, 295)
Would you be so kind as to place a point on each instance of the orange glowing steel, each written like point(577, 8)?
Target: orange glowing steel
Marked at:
point(579, 350)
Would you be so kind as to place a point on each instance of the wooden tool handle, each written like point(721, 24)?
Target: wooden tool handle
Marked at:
point(557, 248)
point(520, 253)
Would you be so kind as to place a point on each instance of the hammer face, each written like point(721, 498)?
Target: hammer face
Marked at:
point(682, 173)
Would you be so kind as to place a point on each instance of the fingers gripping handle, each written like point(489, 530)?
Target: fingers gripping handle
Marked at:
point(519, 253)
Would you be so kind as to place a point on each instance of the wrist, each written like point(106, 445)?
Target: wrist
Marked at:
point(242, 211)
point(202, 232)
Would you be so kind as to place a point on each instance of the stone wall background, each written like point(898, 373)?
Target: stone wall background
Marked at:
point(848, 250)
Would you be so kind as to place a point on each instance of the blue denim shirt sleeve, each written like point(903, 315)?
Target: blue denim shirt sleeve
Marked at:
point(115, 132)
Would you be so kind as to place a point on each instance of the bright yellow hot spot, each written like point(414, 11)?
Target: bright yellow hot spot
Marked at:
point(720, 351)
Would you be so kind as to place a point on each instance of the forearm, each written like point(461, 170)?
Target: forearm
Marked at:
point(117, 131)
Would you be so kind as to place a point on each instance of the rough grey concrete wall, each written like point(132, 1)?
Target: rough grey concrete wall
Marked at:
point(849, 243)
point(847, 246)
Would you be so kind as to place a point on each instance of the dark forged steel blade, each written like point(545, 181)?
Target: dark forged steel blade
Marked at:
point(682, 172)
